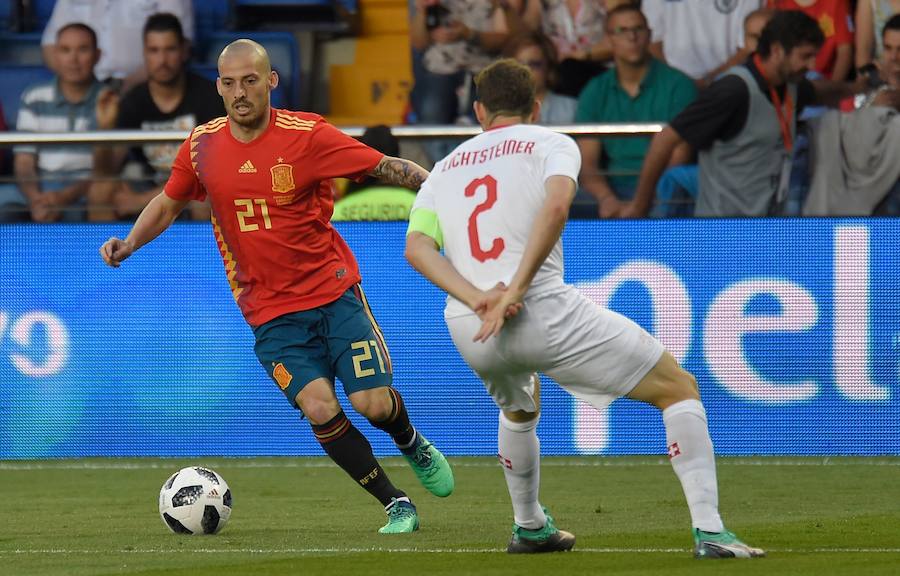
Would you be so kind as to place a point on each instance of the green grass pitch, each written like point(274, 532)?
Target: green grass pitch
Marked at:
point(302, 516)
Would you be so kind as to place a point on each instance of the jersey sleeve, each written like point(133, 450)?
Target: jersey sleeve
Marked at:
point(563, 159)
point(183, 183)
point(423, 216)
point(336, 155)
point(718, 113)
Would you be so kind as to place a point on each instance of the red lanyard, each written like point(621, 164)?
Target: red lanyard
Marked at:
point(785, 114)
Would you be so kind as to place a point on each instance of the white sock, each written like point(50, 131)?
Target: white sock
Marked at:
point(519, 451)
point(691, 455)
point(400, 499)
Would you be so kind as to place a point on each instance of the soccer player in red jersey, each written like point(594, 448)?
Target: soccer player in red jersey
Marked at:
point(267, 173)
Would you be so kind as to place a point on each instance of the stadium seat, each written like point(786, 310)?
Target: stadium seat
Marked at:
point(209, 71)
point(13, 81)
point(211, 16)
point(6, 15)
point(21, 49)
point(333, 16)
point(41, 10)
point(283, 51)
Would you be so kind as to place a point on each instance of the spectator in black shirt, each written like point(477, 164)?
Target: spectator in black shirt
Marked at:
point(173, 98)
point(743, 125)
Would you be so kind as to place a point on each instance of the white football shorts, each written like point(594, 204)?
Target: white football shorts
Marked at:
point(595, 354)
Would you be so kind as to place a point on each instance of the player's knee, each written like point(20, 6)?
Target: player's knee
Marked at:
point(684, 387)
point(317, 409)
point(374, 404)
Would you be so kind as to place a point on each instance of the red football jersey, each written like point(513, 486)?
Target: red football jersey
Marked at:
point(271, 203)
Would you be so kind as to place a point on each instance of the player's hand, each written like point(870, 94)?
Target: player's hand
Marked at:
point(490, 298)
point(508, 304)
point(114, 251)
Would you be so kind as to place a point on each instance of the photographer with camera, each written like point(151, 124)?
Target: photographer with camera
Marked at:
point(457, 39)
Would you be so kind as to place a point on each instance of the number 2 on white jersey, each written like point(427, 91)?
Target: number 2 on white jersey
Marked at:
point(497, 244)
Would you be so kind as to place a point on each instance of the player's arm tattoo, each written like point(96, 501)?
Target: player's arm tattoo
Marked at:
point(400, 172)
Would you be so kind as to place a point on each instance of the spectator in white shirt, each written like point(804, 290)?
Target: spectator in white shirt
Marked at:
point(697, 36)
point(119, 25)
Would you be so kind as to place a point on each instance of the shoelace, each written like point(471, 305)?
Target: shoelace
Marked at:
point(399, 512)
point(423, 456)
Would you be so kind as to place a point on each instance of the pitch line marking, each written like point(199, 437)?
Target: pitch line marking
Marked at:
point(551, 462)
point(301, 551)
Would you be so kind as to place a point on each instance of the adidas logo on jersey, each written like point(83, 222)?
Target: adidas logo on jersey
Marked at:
point(247, 168)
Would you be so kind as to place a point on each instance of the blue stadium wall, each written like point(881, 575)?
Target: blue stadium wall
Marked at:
point(791, 327)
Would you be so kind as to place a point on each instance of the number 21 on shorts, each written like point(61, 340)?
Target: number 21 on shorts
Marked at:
point(364, 350)
point(489, 183)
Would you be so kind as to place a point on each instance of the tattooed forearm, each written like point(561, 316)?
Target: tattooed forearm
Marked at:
point(400, 172)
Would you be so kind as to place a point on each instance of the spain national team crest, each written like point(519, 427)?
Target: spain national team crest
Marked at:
point(282, 376)
point(282, 178)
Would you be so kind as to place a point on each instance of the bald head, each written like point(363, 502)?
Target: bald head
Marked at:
point(247, 49)
point(245, 83)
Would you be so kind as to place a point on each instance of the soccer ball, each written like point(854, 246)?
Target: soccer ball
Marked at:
point(195, 500)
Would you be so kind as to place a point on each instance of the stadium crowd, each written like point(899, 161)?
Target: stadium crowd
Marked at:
point(772, 107)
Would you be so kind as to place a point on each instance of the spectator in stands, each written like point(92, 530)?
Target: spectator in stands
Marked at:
point(118, 25)
point(172, 98)
point(639, 88)
point(754, 23)
point(697, 36)
point(753, 27)
point(677, 188)
point(871, 17)
point(535, 51)
point(53, 180)
point(370, 199)
point(856, 172)
point(744, 125)
point(577, 31)
point(835, 58)
point(457, 39)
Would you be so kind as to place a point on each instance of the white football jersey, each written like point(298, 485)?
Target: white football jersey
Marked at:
point(487, 194)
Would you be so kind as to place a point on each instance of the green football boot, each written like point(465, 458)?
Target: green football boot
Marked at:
point(722, 544)
point(402, 518)
point(431, 467)
point(549, 538)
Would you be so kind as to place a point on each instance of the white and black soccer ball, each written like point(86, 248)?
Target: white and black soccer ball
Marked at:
point(195, 500)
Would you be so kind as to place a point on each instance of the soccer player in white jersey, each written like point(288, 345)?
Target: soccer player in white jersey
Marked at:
point(497, 206)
